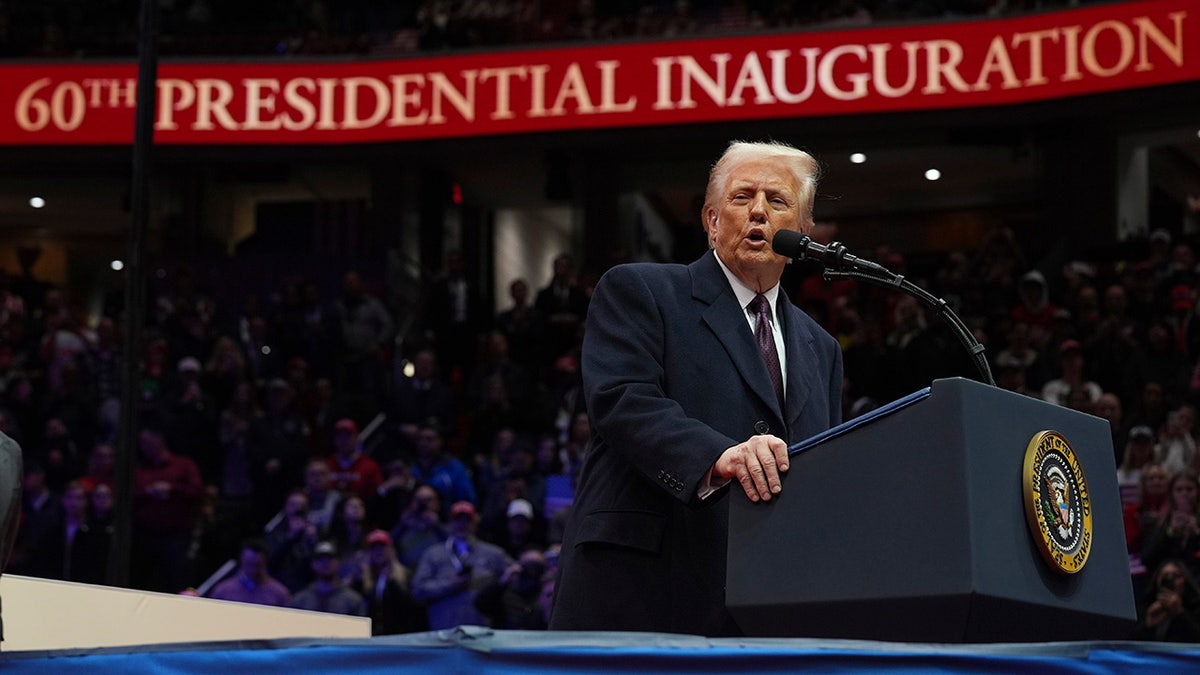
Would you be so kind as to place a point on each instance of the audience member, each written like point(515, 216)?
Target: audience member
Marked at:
point(327, 592)
point(1071, 377)
point(70, 548)
point(253, 583)
point(290, 541)
point(420, 526)
point(423, 398)
point(448, 576)
point(191, 421)
point(383, 582)
point(523, 326)
point(349, 530)
point(1176, 448)
point(238, 511)
point(513, 601)
point(563, 305)
point(1170, 611)
point(351, 470)
point(167, 492)
point(277, 447)
point(392, 496)
point(1109, 407)
point(432, 466)
point(455, 313)
point(522, 531)
point(1138, 453)
point(366, 334)
point(323, 499)
point(59, 455)
point(100, 468)
point(1176, 533)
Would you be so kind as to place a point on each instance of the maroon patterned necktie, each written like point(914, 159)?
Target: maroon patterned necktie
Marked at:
point(766, 343)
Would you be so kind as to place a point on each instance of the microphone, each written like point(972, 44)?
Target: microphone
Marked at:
point(796, 246)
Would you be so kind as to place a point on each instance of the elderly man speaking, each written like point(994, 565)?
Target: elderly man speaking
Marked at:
point(697, 379)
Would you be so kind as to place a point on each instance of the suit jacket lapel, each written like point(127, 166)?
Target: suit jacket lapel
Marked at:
point(726, 319)
point(800, 356)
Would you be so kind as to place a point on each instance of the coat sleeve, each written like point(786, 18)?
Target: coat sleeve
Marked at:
point(625, 381)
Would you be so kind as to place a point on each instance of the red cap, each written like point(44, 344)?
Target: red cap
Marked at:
point(463, 508)
point(346, 424)
point(379, 537)
point(1069, 345)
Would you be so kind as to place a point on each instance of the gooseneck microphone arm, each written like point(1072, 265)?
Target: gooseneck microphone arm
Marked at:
point(839, 264)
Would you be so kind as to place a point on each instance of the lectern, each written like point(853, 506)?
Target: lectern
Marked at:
point(912, 524)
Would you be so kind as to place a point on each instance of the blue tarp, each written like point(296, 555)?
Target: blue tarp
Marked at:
point(476, 650)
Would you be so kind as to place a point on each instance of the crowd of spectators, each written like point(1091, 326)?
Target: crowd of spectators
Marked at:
point(255, 443)
point(62, 28)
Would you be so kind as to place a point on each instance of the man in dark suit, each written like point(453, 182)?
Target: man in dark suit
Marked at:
point(682, 403)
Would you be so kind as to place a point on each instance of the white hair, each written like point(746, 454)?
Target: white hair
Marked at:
point(802, 164)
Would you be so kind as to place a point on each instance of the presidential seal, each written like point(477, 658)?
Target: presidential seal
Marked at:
point(1057, 506)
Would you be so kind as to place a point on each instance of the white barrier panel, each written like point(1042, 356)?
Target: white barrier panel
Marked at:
point(44, 614)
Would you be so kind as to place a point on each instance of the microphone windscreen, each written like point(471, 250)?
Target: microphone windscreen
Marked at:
point(788, 243)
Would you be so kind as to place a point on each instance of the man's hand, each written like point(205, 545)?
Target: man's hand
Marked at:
point(1171, 602)
point(1155, 614)
point(756, 464)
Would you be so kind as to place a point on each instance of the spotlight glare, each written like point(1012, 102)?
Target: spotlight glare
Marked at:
point(37, 202)
point(857, 158)
point(932, 174)
point(117, 265)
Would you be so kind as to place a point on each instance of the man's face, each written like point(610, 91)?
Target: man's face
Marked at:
point(759, 198)
point(316, 477)
point(345, 442)
point(74, 502)
point(253, 563)
point(296, 504)
point(151, 446)
point(462, 526)
point(325, 566)
point(429, 444)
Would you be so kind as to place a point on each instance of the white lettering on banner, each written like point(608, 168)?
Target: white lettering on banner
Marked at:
point(823, 76)
point(503, 77)
point(879, 70)
point(260, 98)
point(294, 97)
point(608, 90)
point(835, 72)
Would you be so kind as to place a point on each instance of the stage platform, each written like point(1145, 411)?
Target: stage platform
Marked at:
point(480, 650)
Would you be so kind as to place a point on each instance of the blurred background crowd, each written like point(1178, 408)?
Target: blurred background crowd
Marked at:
point(427, 474)
point(61, 28)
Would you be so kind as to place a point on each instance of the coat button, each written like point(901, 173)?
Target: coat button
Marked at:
point(761, 427)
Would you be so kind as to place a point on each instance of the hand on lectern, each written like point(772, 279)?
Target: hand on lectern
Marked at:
point(755, 463)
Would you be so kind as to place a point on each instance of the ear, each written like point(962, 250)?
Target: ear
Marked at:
point(709, 219)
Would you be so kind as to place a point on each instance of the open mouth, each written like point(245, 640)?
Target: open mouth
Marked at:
point(756, 235)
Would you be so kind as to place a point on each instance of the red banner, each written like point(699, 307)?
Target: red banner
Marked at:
point(940, 65)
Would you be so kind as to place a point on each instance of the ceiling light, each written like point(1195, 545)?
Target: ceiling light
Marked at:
point(116, 265)
point(932, 174)
point(37, 202)
point(857, 158)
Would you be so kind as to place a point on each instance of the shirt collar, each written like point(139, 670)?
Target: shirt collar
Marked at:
point(744, 293)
